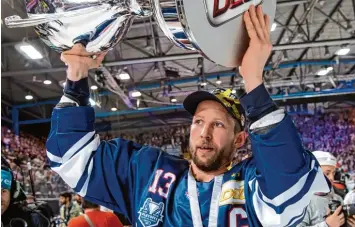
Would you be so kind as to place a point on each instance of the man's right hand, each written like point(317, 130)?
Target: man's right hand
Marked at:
point(79, 61)
point(336, 219)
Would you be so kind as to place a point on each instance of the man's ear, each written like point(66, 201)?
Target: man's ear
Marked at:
point(240, 139)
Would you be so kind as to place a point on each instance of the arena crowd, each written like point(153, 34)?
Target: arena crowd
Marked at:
point(333, 132)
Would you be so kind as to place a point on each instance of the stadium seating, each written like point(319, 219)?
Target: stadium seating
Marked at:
point(333, 131)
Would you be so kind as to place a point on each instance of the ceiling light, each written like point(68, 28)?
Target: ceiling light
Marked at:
point(124, 76)
point(324, 71)
point(92, 102)
point(343, 51)
point(172, 99)
point(93, 87)
point(218, 80)
point(29, 97)
point(202, 81)
point(273, 27)
point(234, 91)
point(30, 51)
point(113, 109)
point(136, 94)
point(47, 82)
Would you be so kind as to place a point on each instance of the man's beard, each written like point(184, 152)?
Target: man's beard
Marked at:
point(214, 162)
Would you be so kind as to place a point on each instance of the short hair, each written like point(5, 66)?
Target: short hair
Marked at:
point(87, 204)
point(66, 195)
point(237, 126)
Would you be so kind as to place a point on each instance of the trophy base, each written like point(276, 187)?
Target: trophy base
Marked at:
point(219, 34)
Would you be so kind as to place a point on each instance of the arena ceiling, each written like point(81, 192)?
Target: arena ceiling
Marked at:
point(306, 38)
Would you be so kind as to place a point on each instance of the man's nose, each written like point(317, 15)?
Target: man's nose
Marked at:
point(206, 131)
point(331, 178)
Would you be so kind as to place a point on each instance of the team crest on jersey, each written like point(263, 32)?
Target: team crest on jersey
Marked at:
point(151, 213)
point(232, 193)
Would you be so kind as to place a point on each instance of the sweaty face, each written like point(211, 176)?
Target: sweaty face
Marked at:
point(212, 137)
point(329, 171)
point(5, 200)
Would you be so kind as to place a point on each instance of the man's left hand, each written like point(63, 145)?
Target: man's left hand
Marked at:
point(351, 221)
point(258, 26)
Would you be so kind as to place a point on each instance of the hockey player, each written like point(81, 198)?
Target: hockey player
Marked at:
point(152, 188)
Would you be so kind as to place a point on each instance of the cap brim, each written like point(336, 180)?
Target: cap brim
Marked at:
point(191, 102)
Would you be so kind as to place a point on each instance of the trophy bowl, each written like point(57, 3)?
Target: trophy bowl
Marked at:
point(215, 28)
point(97, 24)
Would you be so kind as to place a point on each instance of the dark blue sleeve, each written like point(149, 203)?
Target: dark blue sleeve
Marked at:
point(257, 103)
point(283, 175)
point(103, 172)
point(78, 91)
point(274, 149)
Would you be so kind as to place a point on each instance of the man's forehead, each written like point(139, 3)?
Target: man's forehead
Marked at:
point(327, 167)
point(211, 105)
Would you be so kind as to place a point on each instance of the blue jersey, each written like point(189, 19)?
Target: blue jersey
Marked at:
point(150, 187)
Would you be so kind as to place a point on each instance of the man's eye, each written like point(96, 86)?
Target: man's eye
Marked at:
point(198, 122)
point(219, 124)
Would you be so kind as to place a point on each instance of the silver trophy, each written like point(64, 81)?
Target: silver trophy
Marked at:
point(97, 24)
point(215, 28)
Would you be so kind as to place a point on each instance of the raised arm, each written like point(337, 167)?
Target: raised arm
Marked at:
point(284, 176)
point(103, 172)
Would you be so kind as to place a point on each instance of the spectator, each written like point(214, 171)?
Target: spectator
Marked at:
point(78, 199)
point(332, 131)
point(13, 212)
point(93, 217)
point(350, 199)
point(317, 210)
point(68, 209)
